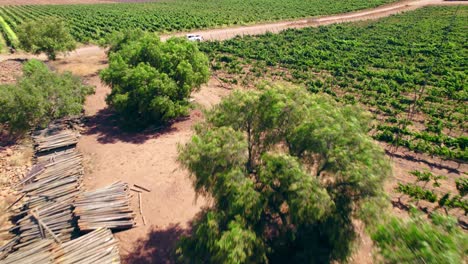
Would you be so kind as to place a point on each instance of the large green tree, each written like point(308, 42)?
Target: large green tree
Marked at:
point(152, 80)
point(40, 96)
point(49, 36)
point(288, 172)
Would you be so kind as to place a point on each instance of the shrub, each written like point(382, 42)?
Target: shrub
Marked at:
point(152, 80)
point(49, 36)
point(39, 97)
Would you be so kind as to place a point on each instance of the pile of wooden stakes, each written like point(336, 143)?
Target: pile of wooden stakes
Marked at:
point(44, 213)
point(49, 191)
point(54, 137)
point(52, 221)
point(98, 246)
point(37, 253)
point(139, 189)
point(106, 207)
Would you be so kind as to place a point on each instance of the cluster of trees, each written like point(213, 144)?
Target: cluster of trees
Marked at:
point(152, 80)
point(38, 97)
point(49, 36)
point(288, 171)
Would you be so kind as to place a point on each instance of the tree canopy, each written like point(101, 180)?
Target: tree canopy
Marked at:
point(39, 97)
point(49, 36)
point(152, 80)
point(287, 171)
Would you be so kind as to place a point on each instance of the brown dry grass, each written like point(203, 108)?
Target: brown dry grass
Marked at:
point(15, 161)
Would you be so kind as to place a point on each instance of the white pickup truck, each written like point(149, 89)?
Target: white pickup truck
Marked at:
point(193, 37)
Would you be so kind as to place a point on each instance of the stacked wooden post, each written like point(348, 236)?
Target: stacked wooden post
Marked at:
point(106, 207)
point(54, 137)
point(98, 246)
point(50, 188)
point(38, 252)
point(51, 200)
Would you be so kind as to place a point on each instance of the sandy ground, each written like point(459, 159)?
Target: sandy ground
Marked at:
point(10, 70)
point(149, 158)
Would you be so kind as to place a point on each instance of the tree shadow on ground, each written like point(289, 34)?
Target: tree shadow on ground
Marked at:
point(108, 128)
point(157, 247)
point(400, 205)
point(8, 139)
point(413, 158)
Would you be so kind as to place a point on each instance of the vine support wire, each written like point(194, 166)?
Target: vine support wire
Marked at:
point(418, 94)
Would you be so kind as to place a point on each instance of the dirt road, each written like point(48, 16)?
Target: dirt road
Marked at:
point(375, 13)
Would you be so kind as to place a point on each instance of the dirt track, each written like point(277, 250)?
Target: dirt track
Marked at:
point(149, 158)
point(375, 13)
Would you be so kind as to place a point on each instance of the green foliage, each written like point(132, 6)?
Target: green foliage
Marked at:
point(447, 201)
point(287, 171)
point(39, 97)
point(93, 22)
point(9, 35)
point(427, 176)
point(419, 241)
point(457, 201)
point(380, 64)
point(152, 80)
point(417, 192)
point(49, 36)
point(462, 185)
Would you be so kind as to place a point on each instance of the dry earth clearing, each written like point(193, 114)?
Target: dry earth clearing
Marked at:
point(149, 158)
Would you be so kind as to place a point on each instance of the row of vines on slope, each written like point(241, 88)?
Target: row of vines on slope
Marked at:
point(92, 22)
point(427, 188)
point(379, 64)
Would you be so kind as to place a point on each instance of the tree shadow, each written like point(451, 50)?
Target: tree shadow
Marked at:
point(411, 157)
point(6, 141)
point(157, 247)
point(108, 128)
point(400, 205)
